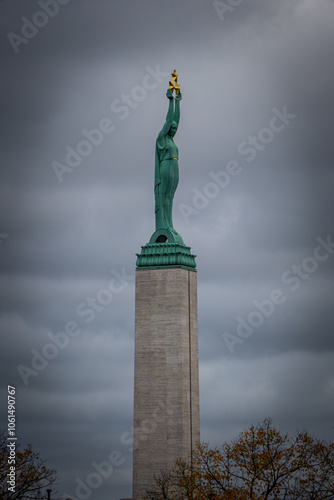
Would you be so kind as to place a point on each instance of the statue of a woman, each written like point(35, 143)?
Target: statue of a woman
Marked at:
point(167, 166)
point(166, 247)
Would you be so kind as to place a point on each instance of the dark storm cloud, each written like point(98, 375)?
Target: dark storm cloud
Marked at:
point(65, 239)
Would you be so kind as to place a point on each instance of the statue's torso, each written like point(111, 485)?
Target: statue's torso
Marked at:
point(170, 150)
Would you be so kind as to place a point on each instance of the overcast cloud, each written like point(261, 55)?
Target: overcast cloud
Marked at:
point(254, 202)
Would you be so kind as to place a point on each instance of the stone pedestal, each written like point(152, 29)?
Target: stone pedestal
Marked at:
point(166, 390)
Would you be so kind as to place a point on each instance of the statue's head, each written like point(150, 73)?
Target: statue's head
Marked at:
point(173, 129)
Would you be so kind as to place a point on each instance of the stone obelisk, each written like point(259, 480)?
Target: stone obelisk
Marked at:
point(166, 388)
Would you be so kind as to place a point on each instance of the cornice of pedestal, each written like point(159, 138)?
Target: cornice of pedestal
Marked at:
point(166, 249)
point(162, 255)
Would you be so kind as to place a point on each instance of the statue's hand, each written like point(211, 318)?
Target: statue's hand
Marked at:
point(169, 94)
point(178, 96)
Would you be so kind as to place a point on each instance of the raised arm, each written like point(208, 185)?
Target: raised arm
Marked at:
point(170, 116)
point(177, 108)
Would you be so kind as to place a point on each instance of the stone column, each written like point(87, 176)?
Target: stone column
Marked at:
point(166, 390)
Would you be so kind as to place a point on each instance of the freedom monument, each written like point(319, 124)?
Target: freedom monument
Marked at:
point(166, 386)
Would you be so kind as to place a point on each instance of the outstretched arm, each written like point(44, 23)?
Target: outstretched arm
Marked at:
point(170, 116)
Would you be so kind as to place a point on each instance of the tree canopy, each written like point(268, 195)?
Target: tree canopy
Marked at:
point(32, 477)
point(262, 463)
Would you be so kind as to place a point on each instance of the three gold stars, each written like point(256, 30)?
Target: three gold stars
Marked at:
point(173, 85)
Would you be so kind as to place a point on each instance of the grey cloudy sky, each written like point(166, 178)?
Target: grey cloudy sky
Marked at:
point(257, 84)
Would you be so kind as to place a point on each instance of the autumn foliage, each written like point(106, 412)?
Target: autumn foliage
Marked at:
point(261, 464)
point(32, 475)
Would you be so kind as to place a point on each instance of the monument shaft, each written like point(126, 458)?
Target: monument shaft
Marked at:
point(166, 391)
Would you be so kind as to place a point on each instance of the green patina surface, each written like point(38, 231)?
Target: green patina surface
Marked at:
point(166, 247)
point(166, 255)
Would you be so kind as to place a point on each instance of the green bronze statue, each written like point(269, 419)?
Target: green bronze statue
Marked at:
point(166, 247)
point(166, 162)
